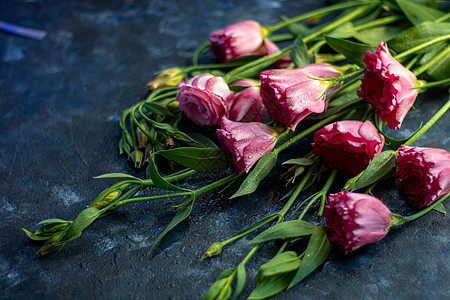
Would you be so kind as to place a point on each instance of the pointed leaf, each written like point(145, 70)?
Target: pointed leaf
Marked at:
point(346, 30)
point(300, 161)
point(417, 13)
point(216, 289)
point(226, 273)
point(240, 280)
point(418, 35)
point(354, 52)
point(316, 253)
point(208, 160)
point(182, 214)
point(262, 168)
point(299, 53)
point(378, 167)
point(200, 141)
point(270, 286)
point(158, 180)
point(282, 263)
point(378, 34)
point(83, 220)
point(117, 175)
point(440, 208)
point(285, 230)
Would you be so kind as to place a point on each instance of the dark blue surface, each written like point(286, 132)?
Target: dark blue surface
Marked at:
point(60, 102)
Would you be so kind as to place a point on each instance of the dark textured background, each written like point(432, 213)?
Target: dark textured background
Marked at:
point(60, 102)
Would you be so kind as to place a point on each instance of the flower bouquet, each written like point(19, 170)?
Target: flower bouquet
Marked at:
point(340, 82)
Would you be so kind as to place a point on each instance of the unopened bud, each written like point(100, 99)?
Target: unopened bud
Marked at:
point(106, 201)
point(167, 78)
point(214, 250)
point(51, 245)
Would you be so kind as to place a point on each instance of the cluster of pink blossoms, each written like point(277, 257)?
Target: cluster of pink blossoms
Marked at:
point(290, 95)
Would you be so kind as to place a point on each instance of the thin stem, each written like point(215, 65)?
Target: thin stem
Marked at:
point(325, 190)
point(310, 130)
point(379, 22)
point(403, 219)
point(422, 46)
point(443, 82)
point(152, 198)
point(443, 18)
point(197, 53)
point(216, 184)
point(249, 255)
point(432, 61)
point(317, 196)
point(281, 37)
point(313, 14)
point(348, 17)
point(430, 123)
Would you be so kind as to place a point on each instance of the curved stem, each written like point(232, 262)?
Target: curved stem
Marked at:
point(197, 53)
point(422, 46)
point(313, 14)
point(430, 123)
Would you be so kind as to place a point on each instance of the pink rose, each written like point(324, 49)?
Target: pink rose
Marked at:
point(244, 38)
point(270, 47)
point(348, 145)
point(424, 174)
point(388, 86)
point(246, 142)
point(355, 219)
point(204, 99)
point(247, 105)
point(289, 95)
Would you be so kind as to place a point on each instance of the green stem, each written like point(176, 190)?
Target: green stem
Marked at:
point(197, 53)
point(281, 37)
point(379, 22)
point(314, 14)
point(317, 196)
point(308, 131)
point(151, 198)
point(346, 18)
point(443, 82)
point(325, 190)
point(431, 62)
point(422, 46)
point(403, 219)
point(443, 18)
point(216, 184)
point(430, 123)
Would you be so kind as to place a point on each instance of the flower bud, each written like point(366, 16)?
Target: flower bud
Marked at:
point(424, 174)
point(51, 245)
point(247, 105)
point(348, 145)
point(388, 86)
point(167, 78)
point(240, 39)
point(290, 95)
point(204, 99)
point(355, 219)
point(106, 201)
point(246, 142)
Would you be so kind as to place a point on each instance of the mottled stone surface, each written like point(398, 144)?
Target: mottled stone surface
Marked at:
point(60, 102)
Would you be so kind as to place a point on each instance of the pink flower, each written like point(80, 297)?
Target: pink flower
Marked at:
point(246, 142)
point(355, 219)
point(204, 98)
point(240, 39)
point(388, 86)
point(348, 145)
point(247, 105)
point(289, 95)
point(270, 47)
point(424, 174)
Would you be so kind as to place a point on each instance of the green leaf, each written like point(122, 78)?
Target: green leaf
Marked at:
point(270, 286)
point(262, 168)
point(418, 35)
point(417, 13)
point(378, 167)
point(285, 230)
point(300, 161)
point(208, 160)
point(117, 175)
point(354, 52)
point(282, 263)
point(316, 253)
point(440, 208)
point(299, 53)
point(217, 289)
point(226, 273)
point(182, 214)
point(83, 220)
point(346, 30)
point(158, 180)
point(240, 280)
point(201, 141)
point(153, 107)
point(375, 35)
point(440, 70)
